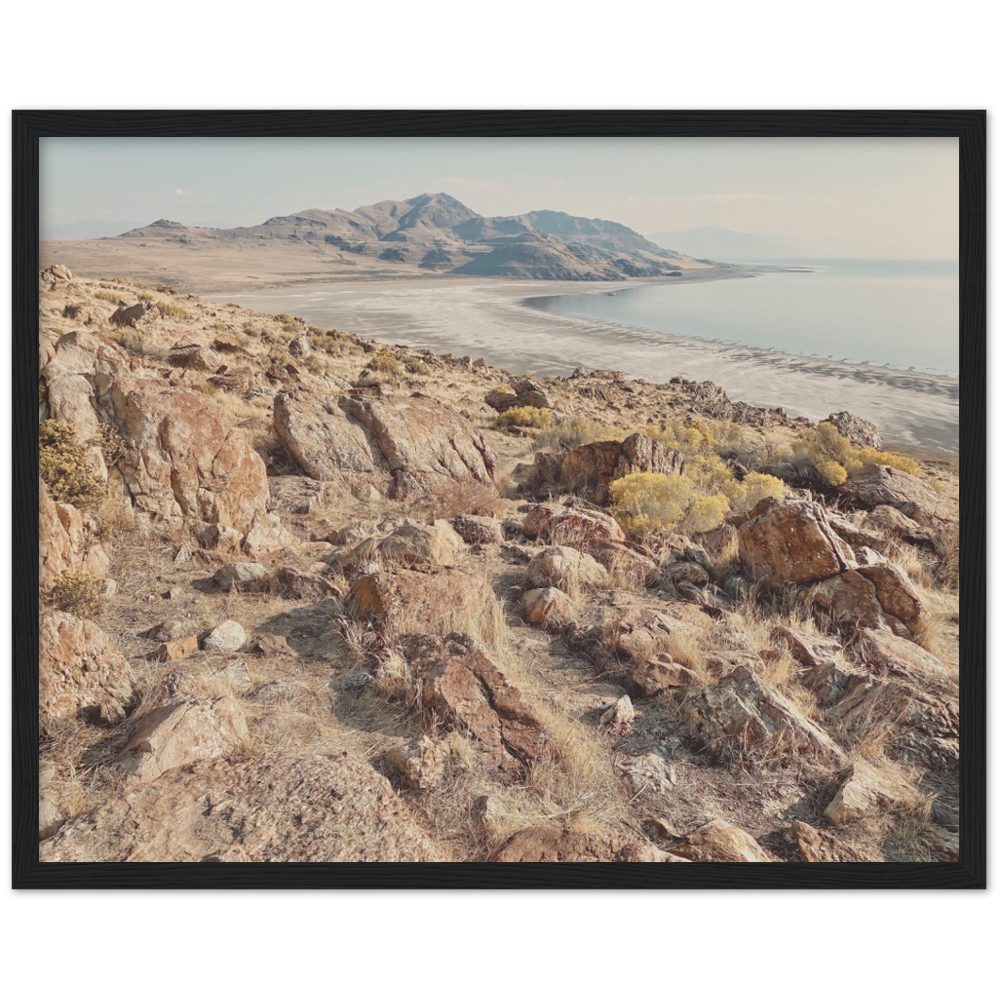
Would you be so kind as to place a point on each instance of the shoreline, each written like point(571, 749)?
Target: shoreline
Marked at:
point(490, 318)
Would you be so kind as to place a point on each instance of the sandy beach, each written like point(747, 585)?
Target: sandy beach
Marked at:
point(493, 319)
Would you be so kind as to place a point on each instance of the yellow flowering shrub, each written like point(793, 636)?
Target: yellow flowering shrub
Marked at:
point(825, 453)
point(524, 416)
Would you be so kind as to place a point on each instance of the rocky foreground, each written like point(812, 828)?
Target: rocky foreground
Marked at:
point(308, 598)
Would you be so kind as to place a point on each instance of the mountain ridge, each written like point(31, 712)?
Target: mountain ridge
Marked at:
point(437, 232)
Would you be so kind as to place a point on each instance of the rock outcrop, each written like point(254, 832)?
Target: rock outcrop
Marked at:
point(590, 469)
point(312, 808)
point(720, 841)
point(68, 542)
point(185, 458)
point(882, 485)
point(80, 672)
point(386, 434)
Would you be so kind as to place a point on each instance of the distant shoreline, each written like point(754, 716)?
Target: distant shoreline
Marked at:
point(492, 318)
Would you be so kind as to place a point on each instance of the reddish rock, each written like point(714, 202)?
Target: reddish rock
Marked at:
point(720, 841)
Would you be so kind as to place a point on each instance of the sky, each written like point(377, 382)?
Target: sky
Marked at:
point(837, 197)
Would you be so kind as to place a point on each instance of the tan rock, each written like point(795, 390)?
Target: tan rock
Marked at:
point(272, 645)
point(437, 601)
point(882, 485)
point(816, 846)
point(311, 808)
point(384, 433)
point(420, 763)
point(661, 673)
point(229, 637)
point(745, 708)
point(181, 732)
point(890, 655)
point(267, 535)
point(786, 542)
point(867, 789)
point(720, 841)
point(547, 606)
point(463, 688)
point(566, 569)
point(893, 588)
point(617, 719)
point(545, 845)
point(240, 575)
point(177, 649)
point(186, 458)
point(849, 598)
point(808, 648)
point(562, 524)
point(79, 671)
point(67, 542)
point(413, 545)
point(475, 530)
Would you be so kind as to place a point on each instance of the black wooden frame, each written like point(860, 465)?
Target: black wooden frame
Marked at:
point(27, 126)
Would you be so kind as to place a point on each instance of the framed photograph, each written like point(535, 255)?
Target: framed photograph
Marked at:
point(499, 500)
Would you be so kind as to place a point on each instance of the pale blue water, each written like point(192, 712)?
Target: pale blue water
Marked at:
point(901, 313)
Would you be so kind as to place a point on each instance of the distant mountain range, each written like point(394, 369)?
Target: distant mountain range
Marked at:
point(719, 243)
point(436, 232)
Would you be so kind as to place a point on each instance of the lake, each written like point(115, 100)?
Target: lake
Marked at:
point(901, 313)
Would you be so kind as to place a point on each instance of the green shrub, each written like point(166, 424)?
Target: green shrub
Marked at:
point(79, 594)
point(524, 416)
point(63, 466)
point(824, 455)
point(568, 434)
point(384, 362)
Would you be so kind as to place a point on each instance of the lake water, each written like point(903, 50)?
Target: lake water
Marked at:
point(901, 313)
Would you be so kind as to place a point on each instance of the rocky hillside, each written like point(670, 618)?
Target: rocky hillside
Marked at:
point(306, 597)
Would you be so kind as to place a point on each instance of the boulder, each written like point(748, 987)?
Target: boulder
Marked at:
point(272, 645)
point(182, 732)
point(547, 606)
point(194, 357)
point(817, 846)
point(68, 542)
point(893, 588)
point(617, 719)
point(788, 542)
point(867, 789)
point(893, 523)
point(240, 575)
point(887, 655)
point(861, 432)
point(849, 598)
point(720, 841)
point(311, 808)
point(379, 433)
point(462, 688)
point(412, 545)
point(177, 649)
point(267, 535)
point(526, 393)
point(437, 602)
point(882, 485)
point(229, 637)
point(474, 530)
point(808, 648)
point(545, 845)
point(743, 707)
point(566, 569)
point(589, 470)
point(420, 763)
point(185, 458)
point(563, 524)
point(302, 585)
point(79, 672)
point(661, 673)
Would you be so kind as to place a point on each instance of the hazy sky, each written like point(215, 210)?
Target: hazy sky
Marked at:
point(838, 197)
